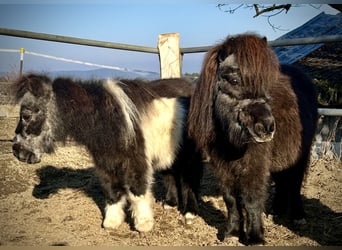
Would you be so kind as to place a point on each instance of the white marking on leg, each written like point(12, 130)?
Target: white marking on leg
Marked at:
point(114, 214)
point(189, 218)
point(142, 211)
point(167, 207)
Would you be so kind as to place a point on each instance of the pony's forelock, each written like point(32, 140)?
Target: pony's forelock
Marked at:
point(36, 84)
point(258, 63)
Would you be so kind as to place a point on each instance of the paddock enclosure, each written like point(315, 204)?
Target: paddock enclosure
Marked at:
point(59, 201)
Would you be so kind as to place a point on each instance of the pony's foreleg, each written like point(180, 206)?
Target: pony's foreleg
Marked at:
point(253, 196)
point(171, 196)
point(114, 214)
point(254, 223)
point(142, 210)
point(139, 182)
point(233, 218)
point(115, 201)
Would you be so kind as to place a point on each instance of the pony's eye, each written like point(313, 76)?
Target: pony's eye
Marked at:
point(234, 81)
point(26, 117)
point(231, 78)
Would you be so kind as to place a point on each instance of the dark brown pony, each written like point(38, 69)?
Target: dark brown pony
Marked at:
point(253, 118)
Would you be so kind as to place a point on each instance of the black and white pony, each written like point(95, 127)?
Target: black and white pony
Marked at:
point(131, 128)
point(253, 118)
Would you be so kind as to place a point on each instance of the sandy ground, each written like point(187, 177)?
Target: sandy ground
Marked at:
point(59, 202)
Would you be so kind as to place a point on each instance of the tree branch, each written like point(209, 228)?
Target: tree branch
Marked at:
point(259, 12)
point(230, 10)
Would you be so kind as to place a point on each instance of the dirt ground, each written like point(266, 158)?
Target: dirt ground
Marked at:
point(59, 202)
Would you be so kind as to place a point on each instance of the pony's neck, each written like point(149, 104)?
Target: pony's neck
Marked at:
point(55, 121)
point(229, 146)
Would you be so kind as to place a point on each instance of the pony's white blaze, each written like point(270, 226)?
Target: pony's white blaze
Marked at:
point(114, 214)
point(162, 128)
point(128, 108)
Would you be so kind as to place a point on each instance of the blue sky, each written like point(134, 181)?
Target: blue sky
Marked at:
point(130, 22)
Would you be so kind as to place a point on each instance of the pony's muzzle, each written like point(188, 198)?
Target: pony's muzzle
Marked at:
point(263, 130)
point(24, 155)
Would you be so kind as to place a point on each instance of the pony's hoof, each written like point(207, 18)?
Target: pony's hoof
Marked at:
point(189, 218)
point(111, 223)
point(114, 217)
point(167, 207)
point(144, 225)
point(255, 240)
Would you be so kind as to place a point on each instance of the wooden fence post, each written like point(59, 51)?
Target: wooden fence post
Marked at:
point(169, 55)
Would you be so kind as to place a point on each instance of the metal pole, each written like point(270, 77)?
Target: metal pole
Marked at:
point(22, 51)
point(73, 40)
point(330, 112)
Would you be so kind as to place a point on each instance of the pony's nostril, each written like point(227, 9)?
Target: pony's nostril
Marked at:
point(270, 127)
point(269, 124)
point(16, 147)
point(32, 159)
point(259, 128)
point(15, 139)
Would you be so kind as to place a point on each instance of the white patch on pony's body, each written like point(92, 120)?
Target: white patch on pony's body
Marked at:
point(114, 214)
point(162, 127)
point(128, 108)
point(142, 211)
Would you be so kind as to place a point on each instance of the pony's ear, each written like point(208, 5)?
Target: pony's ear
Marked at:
point(265, 39)
point(34, 83)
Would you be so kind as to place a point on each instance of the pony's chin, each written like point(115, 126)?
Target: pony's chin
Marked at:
point(262, 139)
point(30, 159)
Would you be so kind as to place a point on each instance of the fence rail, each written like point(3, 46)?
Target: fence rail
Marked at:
point(121, 46)
point(278, 43)
point(74, 40)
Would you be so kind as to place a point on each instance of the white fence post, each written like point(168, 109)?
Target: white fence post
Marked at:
point(22, 51)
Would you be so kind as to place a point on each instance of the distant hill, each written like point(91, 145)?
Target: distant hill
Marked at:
point(101, 73)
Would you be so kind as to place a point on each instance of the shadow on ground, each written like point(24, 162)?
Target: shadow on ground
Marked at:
point(323, 225)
